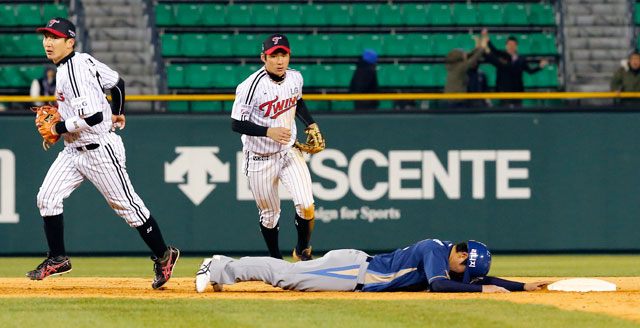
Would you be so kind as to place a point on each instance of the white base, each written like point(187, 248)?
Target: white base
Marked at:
point(582, 285)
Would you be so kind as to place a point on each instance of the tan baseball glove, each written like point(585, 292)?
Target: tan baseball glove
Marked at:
point(315, 141)
point(46, 117)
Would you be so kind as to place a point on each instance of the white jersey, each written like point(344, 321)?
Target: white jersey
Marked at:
point(80, 83)
point(262, 101)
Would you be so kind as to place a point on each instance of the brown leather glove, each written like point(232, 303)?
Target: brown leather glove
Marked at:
point(46, 117)
point(315, 141)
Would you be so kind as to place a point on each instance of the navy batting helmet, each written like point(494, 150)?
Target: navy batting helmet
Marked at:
point(478, 262)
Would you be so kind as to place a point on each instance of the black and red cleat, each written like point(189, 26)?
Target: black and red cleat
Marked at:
point(163, 267)
point(51, 266)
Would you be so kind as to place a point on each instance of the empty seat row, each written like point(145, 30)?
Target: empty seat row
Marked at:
point(30, 14)
point(14, 76)
point(21, 45)
point(337, 75)
point(411, 14)
point(345, 45)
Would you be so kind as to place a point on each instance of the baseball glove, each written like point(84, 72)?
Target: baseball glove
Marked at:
point(315, 141)
point(46, 117)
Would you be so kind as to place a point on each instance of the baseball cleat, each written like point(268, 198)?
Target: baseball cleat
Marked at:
point(164, 266)
point(305, 255)
point(51, 266)
point(203, 276)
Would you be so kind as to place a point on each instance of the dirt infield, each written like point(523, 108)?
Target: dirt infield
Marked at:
point(623, 303)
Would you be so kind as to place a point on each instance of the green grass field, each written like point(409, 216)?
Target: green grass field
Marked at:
point(94, 312)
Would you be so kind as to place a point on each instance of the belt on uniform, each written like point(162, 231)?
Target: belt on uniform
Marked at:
point(87, 147)
point(361, 275)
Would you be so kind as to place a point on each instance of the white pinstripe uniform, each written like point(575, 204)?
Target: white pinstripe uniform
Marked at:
point(81, 80)
point(262, 101)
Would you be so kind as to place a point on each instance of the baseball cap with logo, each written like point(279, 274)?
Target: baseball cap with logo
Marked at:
point(60, 27)
point(274, 42)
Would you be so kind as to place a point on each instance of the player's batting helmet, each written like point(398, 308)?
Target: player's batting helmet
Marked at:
point(479, 261)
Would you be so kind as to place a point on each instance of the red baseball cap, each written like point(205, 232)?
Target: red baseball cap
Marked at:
point(59, 26)
point(274, 42)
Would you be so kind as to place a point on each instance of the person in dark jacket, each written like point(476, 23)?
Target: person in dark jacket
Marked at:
point(627, 79)
point(365, 80)
point(477, 83)
point(458, 65)
point(509, 67)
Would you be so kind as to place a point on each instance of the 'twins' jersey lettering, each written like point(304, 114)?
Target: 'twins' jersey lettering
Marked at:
point(278, 107)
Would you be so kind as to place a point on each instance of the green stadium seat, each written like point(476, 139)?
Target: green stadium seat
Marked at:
point(29, 73)
point(224, 76)
point(369, 41)
point(524, 44)
point(15, 46)
point(4, 42)
point(227, 105)
point(439, 14)
point(317, 106)
point(424, 76)
point(415, 14)
point(345, 45)
point(327, 76)
point(175, 76)
point(420, 45)
point(214, 15)
point(531, 102)
point(548, 76)
point(246, 45)
point(338, 14)
point(28, 15)
point(490, 14)
point(365, 14)
point(239, 15)
point(304, 70)
point(194, 45)
point(395, 45)
point(390, 15)
point(264, 15)
point(465, 41)
point(242, 72)
point(314, 15)
point(200, 76)
point(464, 14)
point(320, 45)
point(342, 105)
point(188, 14)
point(289, 14)
point(394, 75)
point(8, 14)
point(164, 15)
point(178, 106)
point(12, 77)
point(52, 10)
point(542, 14)
point(442, 43)
point(343, 74)
point(530, 80)
point(490, 71)
point(516, 14)
point(32, 45)
point(299, 45)
point(543, 43)
point(312, 75)
point(385, 105)
point(206, 106)
point(171, 45)
point(219, 45)
point(3, 80)
point(440, 75)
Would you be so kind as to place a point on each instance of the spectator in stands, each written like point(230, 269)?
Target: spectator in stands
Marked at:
point(44, 86)
point(458, 64)
point(509, 67)
point(627, 79)
point(477, 83)
point(365, 79)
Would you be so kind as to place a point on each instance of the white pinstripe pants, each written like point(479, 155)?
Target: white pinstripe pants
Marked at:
point(105, 167)
point(264, 173)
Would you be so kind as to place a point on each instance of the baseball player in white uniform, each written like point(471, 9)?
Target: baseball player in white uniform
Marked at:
point(264, 112)
point(92, 152)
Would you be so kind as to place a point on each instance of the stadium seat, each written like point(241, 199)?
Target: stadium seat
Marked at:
point(28, 15)
point(239, 15)
point(242, 72)
point(327, 76)
point(338, 14)
point(439, 14)
point(32, 44)
point(424, 76)
point(314, 15)
point(224, 76)
point(548, 76)
point(219, 45)
point(542, 14)
point(365, 15)
point(420, 45)
point(14, 45)
point(464, 14)
point(342, 105)
point(369, 41)
point(390, 15)
point(465, 41)
point(317, 106)
point(264, 15)
point(299, 45)
point(3, 80)
point(188, 14)
point(543, 43)
point(200, 76)
point(442, 43)
point(52, 10)
point(345, 45)
point(530, 80)
point(227, 105)
point(164, 15)
point(11, 77)
point(320, 46)
point(8, 14)
point(312, 74)
point(178, 106)
point(490, 71)
point(490, 14)
point(193, 45)
point(440, 73)
point(343, 74)
point(515, 14)
point(175, 76)
point(415, 14)
point(206, 106)
point(30, 73)
point(524, 44)
point(394, 75)
point(171, 45)
point(214, 15)
point(395, 45)
point(289, 14)
point(246, 45)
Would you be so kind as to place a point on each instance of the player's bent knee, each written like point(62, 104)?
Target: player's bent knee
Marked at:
point(306, 213)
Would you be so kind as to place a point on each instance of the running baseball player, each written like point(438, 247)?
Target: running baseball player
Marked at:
point(264, 112)
point(428, 265)
point(91, 152)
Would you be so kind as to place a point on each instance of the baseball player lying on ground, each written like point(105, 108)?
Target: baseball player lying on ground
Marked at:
point(428, 265)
